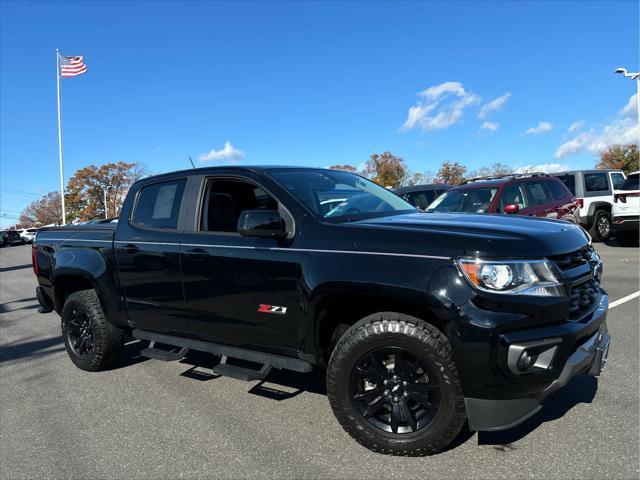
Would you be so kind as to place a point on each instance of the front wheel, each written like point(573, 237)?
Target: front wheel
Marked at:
point(91, 341)
point(393, 385)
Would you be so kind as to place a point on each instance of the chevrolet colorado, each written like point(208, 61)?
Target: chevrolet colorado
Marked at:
point(422, 321)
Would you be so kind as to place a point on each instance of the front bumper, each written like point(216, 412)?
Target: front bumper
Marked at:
point(589, 356)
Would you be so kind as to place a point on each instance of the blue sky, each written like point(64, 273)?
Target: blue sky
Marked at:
point(311, 84)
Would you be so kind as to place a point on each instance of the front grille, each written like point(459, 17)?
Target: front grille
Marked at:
point(582, 298)
point(573, 259)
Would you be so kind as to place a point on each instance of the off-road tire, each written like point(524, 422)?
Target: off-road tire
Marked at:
point(595, 230)
point(108, 339)
point(430, 345)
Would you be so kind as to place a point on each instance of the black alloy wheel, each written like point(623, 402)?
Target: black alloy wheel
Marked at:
point(394, 391)
point(80, 334)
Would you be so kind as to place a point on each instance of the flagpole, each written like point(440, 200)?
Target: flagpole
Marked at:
point(64, 217)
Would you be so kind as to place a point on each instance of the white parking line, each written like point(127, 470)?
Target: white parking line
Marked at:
point(624, 299)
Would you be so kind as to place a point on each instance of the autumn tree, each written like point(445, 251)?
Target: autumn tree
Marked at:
point(451, 173)
point(386, 169)
point(44, 211)
point(85, 194)
point(345, 168)
point(620, 157)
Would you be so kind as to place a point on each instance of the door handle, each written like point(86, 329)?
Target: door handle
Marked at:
point(130, 248)
point(198, 252)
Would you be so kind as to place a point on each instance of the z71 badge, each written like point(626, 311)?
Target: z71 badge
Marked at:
point(272, 309)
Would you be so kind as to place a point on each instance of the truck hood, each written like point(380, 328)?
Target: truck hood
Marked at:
point(454, 234)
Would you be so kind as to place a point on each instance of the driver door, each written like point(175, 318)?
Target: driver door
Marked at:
point(237, 289)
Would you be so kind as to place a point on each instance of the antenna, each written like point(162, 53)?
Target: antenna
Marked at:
point(192, 165)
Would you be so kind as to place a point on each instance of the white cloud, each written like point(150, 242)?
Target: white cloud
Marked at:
point(228, 154)
point(490, 126)
point(631, 109)
point(494, 105)
point(542, 127)
point(440, 107)
point(595, 140)
point(544, 167)
point(575, 126)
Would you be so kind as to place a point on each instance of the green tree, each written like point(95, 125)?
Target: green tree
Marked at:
point(620, 157)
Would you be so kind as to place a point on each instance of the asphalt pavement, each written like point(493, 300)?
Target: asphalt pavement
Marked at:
point(150, 419)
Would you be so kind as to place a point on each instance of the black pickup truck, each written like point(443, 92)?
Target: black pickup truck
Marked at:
point(422, 321)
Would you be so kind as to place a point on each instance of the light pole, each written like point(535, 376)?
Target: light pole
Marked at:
point(636, 77)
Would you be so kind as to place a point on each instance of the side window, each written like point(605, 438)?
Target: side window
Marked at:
point(617, 179)
point(158, 205)
point(537, 193)
point(596, 182)
point(557, 190)
point(569, 181)
point(513, 194)
point(420, 199)
point(224, 201)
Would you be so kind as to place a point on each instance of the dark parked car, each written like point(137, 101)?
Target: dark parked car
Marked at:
point(421, 196)
point(420, 321)
point(10, 238)
point(534, 195)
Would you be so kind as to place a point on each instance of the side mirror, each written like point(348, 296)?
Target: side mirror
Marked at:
point(512, 208)
point(262, 224)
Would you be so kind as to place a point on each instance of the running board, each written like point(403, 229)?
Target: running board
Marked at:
point(241, 373)
point(263, 358)
point(164, 355)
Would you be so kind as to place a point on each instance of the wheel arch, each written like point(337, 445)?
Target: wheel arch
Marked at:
point(347, 306)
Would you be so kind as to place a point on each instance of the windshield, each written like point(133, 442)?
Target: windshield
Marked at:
point(473, 200)
point(631, 183)
point(340, 196)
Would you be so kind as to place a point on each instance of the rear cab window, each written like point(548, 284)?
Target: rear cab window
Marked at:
point(158, 205)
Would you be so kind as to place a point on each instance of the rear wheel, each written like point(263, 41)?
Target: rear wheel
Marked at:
point(601, 228)
point(394, 387)
point(92, 342)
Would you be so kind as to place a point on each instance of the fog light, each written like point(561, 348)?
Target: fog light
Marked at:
point(525, 361)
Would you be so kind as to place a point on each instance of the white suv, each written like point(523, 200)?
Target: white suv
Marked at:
point(594, 191)
point(28, 235)
point(626, 211)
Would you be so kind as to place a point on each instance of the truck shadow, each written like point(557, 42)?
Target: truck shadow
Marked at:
point(31, 348)
point(581, 389)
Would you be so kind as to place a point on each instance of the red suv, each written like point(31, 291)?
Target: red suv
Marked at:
point(535, 195)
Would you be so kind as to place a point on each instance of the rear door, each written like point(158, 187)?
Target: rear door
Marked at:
point(147, 253)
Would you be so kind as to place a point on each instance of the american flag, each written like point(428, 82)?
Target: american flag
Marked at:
point(72, 66)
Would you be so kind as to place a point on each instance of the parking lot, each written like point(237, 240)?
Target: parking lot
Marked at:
point(147, 418)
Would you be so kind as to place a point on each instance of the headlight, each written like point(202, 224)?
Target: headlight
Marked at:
point(513, 277)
